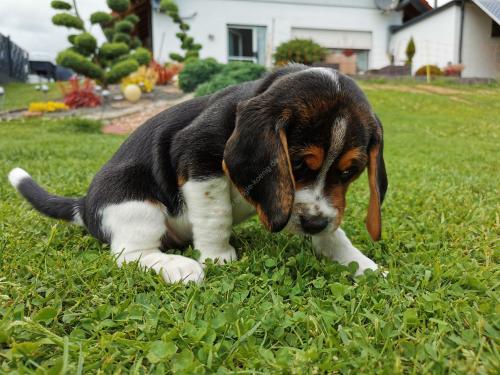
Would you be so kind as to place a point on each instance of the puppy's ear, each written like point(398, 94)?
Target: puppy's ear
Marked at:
point(256, 160)
point(377, 180)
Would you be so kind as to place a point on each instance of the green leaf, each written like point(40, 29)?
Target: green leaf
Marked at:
point(160, 350)
point(410, 316)
point(183, 361)
point(45, 315)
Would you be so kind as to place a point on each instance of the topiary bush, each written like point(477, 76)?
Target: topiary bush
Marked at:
point(113, 50)
point(121, 70)
point(435, 71)
point(142, 56)
point(187, 43)
point(231, 74)
point(100, 18)
point(67, 20)
point(410, 51)
point(60, 5)
point(303, 51)
point(85, 43)
point(196, 72)
point(115, 58)
point(75, 61)
point(119, 6)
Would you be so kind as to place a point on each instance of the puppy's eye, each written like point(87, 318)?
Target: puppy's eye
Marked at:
point(300, 169)
point(347, 174)
point(298, 164)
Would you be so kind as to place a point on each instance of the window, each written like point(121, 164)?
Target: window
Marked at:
point(247, 43)
point(495, 29)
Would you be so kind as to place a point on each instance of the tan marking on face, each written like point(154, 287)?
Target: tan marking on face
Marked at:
point(346, 160)
point(337, 194)
point(314, 157)
point(181, 180)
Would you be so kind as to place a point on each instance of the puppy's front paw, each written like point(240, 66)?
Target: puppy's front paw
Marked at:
point(219, 257)
point(365, 264)
point(177, 268)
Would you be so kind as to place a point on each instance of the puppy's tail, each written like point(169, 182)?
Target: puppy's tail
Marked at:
point(69, 209)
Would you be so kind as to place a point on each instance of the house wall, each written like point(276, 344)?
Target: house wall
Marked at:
point(481, 52)
point(436, 39)
point(209, 20)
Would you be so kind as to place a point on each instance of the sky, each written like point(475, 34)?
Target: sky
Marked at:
point(30, 25)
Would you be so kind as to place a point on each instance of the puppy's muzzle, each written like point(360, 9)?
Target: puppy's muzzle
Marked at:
point(313, 224)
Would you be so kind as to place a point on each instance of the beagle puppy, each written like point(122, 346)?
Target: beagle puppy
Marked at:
point(285, 147)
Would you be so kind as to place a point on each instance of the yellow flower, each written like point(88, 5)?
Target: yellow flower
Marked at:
point(144, 77)
point(47, 107)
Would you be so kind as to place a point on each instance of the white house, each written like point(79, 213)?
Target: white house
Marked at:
point(251, 30)
point(459, 32)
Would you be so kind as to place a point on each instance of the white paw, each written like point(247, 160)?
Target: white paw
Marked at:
point(219, 257)
point(365, 264)
point(175, 268)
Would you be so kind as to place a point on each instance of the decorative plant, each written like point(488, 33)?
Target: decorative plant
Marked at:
point(303, 51)
point(197, 72)
point(453, 70)
point(187, 42)
point(47, 107)
point(78, 95)
point(433, 69)
point(410, 51)
point(116, 58)
point(231, 74)
point(144, 77)
point(165, 73)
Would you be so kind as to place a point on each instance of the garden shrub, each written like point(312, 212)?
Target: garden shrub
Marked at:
point(165, 73)
point(196, 72)
point(67, 20)
point(124, 26)
point(132, 18)
point(142, 56)
point(86, 57)
point(303, 51)
point(100, 18)
point(192, 49)
point(85, 43)
point(79, 94)
point(435, 71)
point(231, 74)
point(119, 6)
point(121, 69)
point(113, 50)
point(73, 60)
point(60, 5)
point(119, 37)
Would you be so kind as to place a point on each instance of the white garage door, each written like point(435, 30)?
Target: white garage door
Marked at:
point(336, 39)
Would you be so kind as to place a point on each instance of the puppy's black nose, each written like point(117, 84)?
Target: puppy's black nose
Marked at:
point(313, 224)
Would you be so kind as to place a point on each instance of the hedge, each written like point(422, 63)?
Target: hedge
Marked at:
point(196, 72)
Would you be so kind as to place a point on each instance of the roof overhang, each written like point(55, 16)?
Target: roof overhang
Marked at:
point(490, 7)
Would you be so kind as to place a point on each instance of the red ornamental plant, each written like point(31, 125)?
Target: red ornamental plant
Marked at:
point(164, 74)
point(78, 95)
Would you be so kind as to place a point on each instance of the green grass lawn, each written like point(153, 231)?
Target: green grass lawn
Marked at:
point(20, 95)
point(66, 307)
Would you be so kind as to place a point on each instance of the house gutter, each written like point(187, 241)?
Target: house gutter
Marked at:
point(461, 35)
